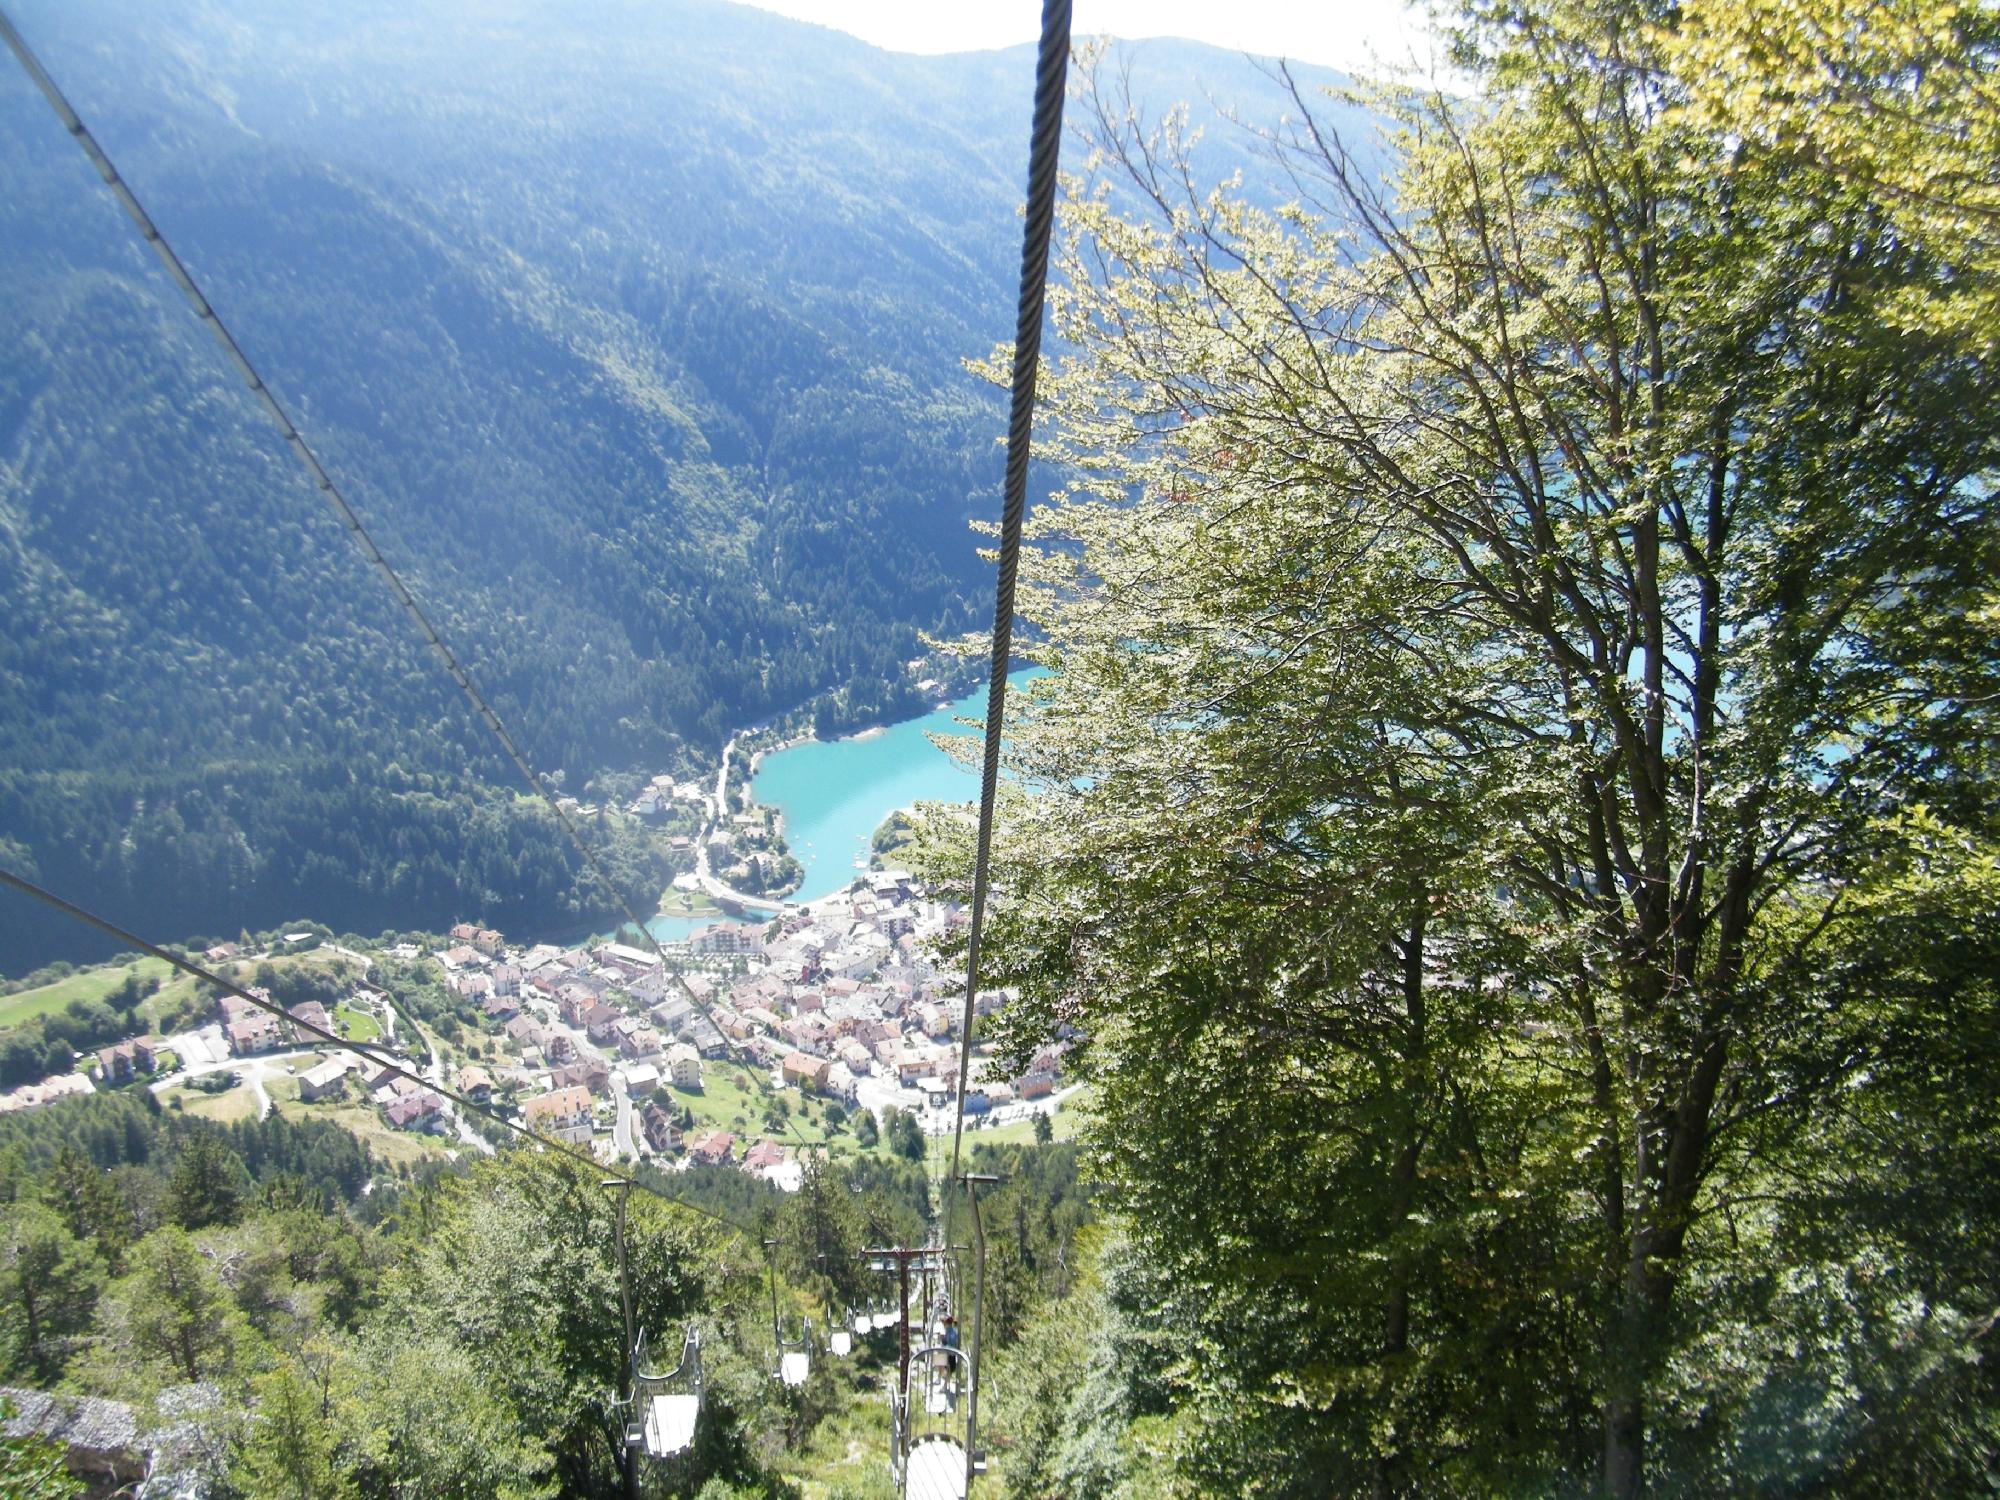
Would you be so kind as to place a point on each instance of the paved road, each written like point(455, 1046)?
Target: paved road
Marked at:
point(718, 808)
point(249, 1071)
point(232, 1064)
point(621, 1133)
point(466, 1133)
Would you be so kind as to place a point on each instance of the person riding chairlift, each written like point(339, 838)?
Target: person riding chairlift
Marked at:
point(942, 1363)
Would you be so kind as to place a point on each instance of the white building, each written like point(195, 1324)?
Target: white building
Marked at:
point(684, 1066)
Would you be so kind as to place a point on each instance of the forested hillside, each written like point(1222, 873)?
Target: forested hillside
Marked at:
point(284, 1316)
point(635, 332)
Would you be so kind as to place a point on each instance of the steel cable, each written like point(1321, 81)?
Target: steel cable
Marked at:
point(322, 481)
point(1051, 74)
point(331, 1039)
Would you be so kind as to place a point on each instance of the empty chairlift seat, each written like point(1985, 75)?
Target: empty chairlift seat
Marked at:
point(670, 1424)
point(668, 1402)
point(936, 1469)
point(793, 1367)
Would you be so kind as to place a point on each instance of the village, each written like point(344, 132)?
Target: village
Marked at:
point(836, 1006)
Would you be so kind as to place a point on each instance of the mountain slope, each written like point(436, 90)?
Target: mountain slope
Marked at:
point(633, 331)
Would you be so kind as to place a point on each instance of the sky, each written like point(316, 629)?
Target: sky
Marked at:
point(1338, 35)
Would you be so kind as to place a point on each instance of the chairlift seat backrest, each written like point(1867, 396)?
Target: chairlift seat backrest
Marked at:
point(841, 1342)
point(670, 1424)
point(793, 1368)
point(936, 1470)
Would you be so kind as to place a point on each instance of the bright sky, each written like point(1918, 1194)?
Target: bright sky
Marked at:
point(1341, 35)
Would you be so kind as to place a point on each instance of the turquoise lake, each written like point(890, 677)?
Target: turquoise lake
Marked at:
point(834, 794)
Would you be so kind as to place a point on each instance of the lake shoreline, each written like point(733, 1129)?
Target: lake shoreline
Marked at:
point(828, 797)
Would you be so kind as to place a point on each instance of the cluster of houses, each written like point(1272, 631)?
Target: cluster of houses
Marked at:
point(838, 999)
point(662, 792)
point(843, 995)
point(46, 1091)
point(247, 1029)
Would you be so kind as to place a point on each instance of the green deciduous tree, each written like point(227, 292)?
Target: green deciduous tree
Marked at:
point(517, 1269)
point(304, 1443)
point(34, 1469)
point(442, 1428)
point(1896, 98)
point(1511, 628)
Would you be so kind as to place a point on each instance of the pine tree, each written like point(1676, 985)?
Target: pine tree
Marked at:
point(48, 1282)
point(174, 1306)
point(202, 1189)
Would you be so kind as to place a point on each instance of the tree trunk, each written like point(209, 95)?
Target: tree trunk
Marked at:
point(1409, 1150)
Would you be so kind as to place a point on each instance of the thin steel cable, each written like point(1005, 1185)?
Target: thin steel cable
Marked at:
point(360, 1049)
point(322, 480)
point(1051, 71)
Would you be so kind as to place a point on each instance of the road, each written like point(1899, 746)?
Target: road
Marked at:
point(227, 1063)
point(621, 1133)
point(718, 809)
point(466, 1133)
point(249, 1070)
point(363, 959)
point(944, 1121)
point(623, 1142)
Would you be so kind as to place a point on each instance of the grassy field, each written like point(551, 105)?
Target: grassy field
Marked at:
point(95, 984)
point(734, 1098)
point(1066, 1122)
point(357, 1025)
point(365, 1122)
point(88, 984)
point(283, 1089)
point(678, 903)
point(239, 1103)
point(731, 1098)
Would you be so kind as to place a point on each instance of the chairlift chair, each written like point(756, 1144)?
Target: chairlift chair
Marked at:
point(935, 1469)
point(795, 1355)
point(665, 1403)
point(935, 1466)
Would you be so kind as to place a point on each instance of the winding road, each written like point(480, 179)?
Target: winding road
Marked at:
point(718, 808)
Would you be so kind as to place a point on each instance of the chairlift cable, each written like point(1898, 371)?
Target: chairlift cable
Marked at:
point(315, 470)
point(1051, 69)
point(360, 1049)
